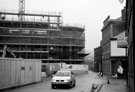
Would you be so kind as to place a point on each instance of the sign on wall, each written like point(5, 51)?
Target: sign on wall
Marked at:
point(122, 42)
point(115, 51)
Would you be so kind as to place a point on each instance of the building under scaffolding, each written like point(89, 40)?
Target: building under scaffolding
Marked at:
point(41, 36)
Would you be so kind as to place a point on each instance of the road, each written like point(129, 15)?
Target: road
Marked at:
point(83, 84)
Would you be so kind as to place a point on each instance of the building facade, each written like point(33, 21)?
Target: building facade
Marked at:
point(110, 59)
point(118, 53)
point(41, 36)
point(98, 59)
point(130, 34)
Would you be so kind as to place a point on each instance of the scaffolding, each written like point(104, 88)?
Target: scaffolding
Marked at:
point(42, 37)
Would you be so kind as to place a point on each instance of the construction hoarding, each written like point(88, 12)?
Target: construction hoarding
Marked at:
point(16, 72)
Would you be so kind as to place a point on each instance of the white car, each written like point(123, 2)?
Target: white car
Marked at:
point(63, 77)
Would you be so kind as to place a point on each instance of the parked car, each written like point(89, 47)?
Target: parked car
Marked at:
point(63, 77)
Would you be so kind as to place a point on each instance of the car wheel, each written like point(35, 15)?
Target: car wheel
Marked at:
point(53, 86)
point(74, 83)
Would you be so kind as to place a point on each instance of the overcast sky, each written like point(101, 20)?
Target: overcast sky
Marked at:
point(90, 13)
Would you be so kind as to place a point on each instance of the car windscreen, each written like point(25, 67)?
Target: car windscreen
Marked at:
point(63, 74)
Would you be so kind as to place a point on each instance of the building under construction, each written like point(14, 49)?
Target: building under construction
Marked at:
point(40, 36)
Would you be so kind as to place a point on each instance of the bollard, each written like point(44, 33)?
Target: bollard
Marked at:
point(94, 86)
point(108, 82)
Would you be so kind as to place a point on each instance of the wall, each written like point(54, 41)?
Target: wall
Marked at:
point(16, 72)
point(77, 69)
point(131, 60)
point(115, 51)
point(107, 67)
point(97, 58)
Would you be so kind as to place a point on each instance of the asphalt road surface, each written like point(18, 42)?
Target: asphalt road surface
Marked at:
point(83, 84)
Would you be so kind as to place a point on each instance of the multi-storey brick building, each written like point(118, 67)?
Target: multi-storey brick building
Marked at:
point(111, 58)
point(129, 30)
point(98, 59)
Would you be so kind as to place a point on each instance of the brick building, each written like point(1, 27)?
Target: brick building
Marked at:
point(129, 30)
point(111, 58)
point(98, 59)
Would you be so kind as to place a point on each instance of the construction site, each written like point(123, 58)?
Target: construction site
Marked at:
point(36, 43)
point(42, 36)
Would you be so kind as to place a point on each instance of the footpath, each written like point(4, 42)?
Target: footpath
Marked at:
point(109, 84)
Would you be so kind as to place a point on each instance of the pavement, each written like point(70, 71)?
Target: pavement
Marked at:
point(109, 84)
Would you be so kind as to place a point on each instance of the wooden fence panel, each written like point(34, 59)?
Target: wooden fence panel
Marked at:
point(22, 71)
point(26, 75)
point(30, 72)
point(13, 72)
point(18, 72)
point(2, 74)
point(34, 71)
point(7, 73)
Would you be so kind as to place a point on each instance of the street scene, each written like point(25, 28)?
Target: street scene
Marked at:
point(83, 84)
point(66, 46)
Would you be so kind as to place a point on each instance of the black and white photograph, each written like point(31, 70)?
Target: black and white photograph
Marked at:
point(66, 46)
